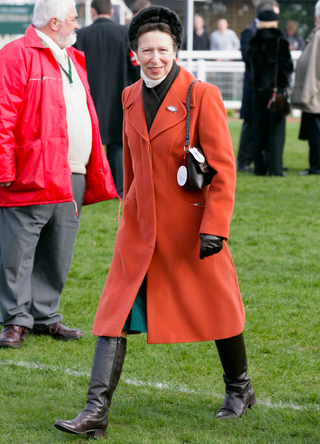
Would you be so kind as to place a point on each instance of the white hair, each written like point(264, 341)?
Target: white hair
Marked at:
point(45, 10)
point(317, 9)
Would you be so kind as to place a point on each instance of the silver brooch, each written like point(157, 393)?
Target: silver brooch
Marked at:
point(172, 109)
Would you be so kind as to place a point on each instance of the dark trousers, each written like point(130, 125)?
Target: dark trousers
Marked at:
point(310, 130)
point(268, 136)
point(115, 159)
point(36, 249)
point(245, 153)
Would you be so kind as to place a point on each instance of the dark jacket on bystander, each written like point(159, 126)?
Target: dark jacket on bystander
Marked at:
point(261, 60)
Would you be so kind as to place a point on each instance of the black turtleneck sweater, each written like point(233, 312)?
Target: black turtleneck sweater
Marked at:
point(153, 97)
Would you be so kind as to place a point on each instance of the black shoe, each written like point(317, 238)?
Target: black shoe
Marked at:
point(239, 391)
point(107, 366)
point(308, 172)
point(246, 169)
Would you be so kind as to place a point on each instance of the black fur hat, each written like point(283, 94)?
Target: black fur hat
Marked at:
point(157, 14)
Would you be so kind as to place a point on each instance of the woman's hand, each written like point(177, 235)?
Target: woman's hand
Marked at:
point(5, 184)
point(210, 245)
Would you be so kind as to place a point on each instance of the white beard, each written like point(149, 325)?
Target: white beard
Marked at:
point(65, 40)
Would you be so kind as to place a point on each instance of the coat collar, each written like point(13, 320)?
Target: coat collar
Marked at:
point(270, 33)
point(32, 39)
point(102, 19)
point(165, 119)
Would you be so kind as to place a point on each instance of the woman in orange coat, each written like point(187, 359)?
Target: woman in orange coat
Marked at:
point(157, 282)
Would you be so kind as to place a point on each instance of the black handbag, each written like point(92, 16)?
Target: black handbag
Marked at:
point(278, 102)
point(195, 173)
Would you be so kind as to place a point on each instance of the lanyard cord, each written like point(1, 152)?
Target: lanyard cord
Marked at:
point(68, 73)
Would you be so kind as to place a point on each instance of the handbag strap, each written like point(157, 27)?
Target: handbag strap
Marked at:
point(187, 138)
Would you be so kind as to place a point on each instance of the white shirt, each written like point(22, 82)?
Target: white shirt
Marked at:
point(78, 117)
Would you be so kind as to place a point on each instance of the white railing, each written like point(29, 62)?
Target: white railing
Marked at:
point(222, 68)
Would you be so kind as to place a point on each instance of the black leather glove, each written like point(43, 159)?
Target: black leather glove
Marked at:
point(210, 245)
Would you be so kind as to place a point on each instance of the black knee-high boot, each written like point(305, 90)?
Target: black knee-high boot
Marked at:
point(239, 391)
point(106, 370)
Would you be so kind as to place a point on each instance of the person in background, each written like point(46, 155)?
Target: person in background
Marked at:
point(245, 152)
point(306, 95)
point(110, 70)
point(51, 163)
point(296, 41)
point(200, 37)
point(269, 64)
point(166, 279)
point(138, 5)
point(224, 39)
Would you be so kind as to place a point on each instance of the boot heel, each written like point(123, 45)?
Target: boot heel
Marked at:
point(95, 434)
point(253, 401)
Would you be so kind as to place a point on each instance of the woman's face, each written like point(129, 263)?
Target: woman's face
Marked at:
point(155, 54)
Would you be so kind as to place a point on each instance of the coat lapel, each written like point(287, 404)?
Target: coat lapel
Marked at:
point(176, 97)
point(165, 119)
point(135, 113)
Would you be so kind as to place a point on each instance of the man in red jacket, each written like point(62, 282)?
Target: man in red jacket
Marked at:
point(51, 163)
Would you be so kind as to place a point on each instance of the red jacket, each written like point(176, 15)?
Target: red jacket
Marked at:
point(33, 129)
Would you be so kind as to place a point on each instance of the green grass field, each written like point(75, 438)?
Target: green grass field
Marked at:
point(169, 394)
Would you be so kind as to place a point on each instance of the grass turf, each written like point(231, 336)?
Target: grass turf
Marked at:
point(169, 394)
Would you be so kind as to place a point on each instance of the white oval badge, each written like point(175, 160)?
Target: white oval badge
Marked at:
point(172, 109)
point(182, 176)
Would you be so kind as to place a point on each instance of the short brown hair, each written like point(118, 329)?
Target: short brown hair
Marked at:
point(138, 5)
point(103, 7)
point(266, 5)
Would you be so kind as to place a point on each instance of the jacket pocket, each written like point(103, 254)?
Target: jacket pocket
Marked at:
point(29, 167)
point(131, 194)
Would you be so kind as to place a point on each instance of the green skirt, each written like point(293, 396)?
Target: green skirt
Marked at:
point(137, 319)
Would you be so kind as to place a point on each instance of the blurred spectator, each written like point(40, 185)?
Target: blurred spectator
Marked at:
point(269, 65)
point(295, 40)
point(110, 70)
point(245, 153)
point(200, 37)
point(138, 5)
point(224, 39)
point(306, 95)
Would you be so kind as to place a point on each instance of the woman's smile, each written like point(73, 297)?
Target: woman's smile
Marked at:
point(155, 69)
point(155, 54)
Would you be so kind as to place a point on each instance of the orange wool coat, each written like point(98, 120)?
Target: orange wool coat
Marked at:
point(188, 299)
